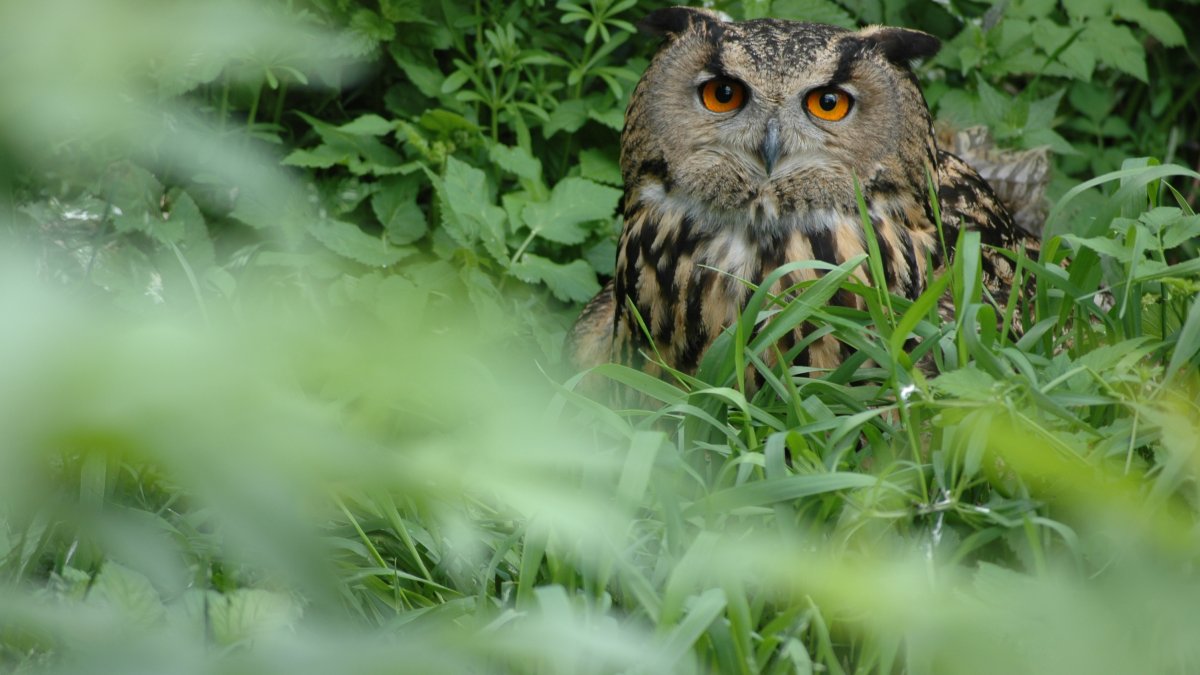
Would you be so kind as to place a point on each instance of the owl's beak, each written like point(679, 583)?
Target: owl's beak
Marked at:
point(769, 150)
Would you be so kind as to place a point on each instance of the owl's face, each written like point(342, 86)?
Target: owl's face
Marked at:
point(767, 117)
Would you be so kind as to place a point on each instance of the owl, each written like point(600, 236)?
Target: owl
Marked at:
point(742, 145)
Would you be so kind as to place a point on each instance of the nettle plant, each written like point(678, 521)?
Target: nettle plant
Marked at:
point(470, 150)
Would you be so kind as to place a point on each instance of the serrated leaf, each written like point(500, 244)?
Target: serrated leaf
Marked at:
point(569, 116)
point(992, 104)
point(573, 201)
point(1183, 230)
point(517, 161)
point(1050, 138)
point(249, 612)
point(572, 282)
point(403, 11)
point(445, 122)
point(395, 205)
point(1103, 245)
point(595, 164)
point(137, 198)
point(1041, 111)
point(468, 214)
point(128, 593)
point(359, 149)
point(968, 383)
point(1087, 8)
point(420, 68)
point(347, 240)
point(602, 256)
point(195, 242)
point(816, 11)
point(372, 26)
point(612, 117)
point(1116, 47)
point(367, 125)
point(321, 157)
point(1154, 21)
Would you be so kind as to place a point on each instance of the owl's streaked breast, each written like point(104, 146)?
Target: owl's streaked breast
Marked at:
point(689, 270)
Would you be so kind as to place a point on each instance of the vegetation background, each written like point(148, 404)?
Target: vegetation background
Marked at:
point(284, 286)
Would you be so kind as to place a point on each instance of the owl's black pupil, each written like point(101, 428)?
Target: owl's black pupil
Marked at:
point(828, 102)
point(724, 93)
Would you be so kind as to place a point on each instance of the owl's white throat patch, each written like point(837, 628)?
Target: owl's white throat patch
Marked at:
point(762, 217)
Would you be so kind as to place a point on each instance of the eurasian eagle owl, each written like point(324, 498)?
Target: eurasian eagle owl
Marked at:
point(741, 148)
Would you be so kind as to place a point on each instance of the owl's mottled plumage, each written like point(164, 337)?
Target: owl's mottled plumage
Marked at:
point(712, 198)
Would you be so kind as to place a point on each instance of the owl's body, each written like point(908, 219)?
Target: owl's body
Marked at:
point(741, 149)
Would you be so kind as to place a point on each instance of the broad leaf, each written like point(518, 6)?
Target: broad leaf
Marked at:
point(395, 205)
point(347, 240)
point(573, 201)
point(572, 282)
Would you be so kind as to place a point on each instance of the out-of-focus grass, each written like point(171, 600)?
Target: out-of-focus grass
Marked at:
point(280, 494)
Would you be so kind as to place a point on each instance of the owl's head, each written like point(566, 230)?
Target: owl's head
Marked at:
point(766, 116)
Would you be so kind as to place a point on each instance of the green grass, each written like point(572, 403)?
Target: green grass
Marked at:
point(283, 493)
point(259, 421)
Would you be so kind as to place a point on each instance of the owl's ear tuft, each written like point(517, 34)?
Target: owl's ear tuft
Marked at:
point(674, 21)
point(901, 45)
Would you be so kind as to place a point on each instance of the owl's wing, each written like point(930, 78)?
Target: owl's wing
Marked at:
point(590, 341)
point(968, 201)
point(1018, 177)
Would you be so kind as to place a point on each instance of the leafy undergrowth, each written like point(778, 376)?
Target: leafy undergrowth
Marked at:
point(255, 421)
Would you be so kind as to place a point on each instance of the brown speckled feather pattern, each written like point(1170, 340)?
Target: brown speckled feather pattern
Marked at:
point(705, 214)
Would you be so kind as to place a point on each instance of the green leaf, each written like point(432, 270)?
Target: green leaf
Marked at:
point(1116, 47)
point(321, 157)
point(602, 256)
point(573, 201)
point(1154, 21)
point(419, 67)
point(195, 243)
point(517, 161)
point(347, 240)
point(595, 164)
point(455, 81)
point(572, 282)
point(766, 492)
point(395, 205)
point(1087, 8)
point(249, 612)
point(354, 145)
point(136, 198)
point(1187, 342)
point(468, 214)
point(816, 11)
point(968, 383)
point(404, 11)
point(702, 612)
point(1041, 111)
point(1183, 230)
point(569, 116)
point(1104, 245)
point(368, 125)
point(372, 26)
point(128, 593)
point(1049, 138)
point(612, 117)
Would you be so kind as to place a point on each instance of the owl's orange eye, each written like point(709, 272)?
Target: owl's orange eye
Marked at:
point(722, 95)
point(828, 103)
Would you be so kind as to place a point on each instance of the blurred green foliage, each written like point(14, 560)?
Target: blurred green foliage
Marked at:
point(279, 277)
